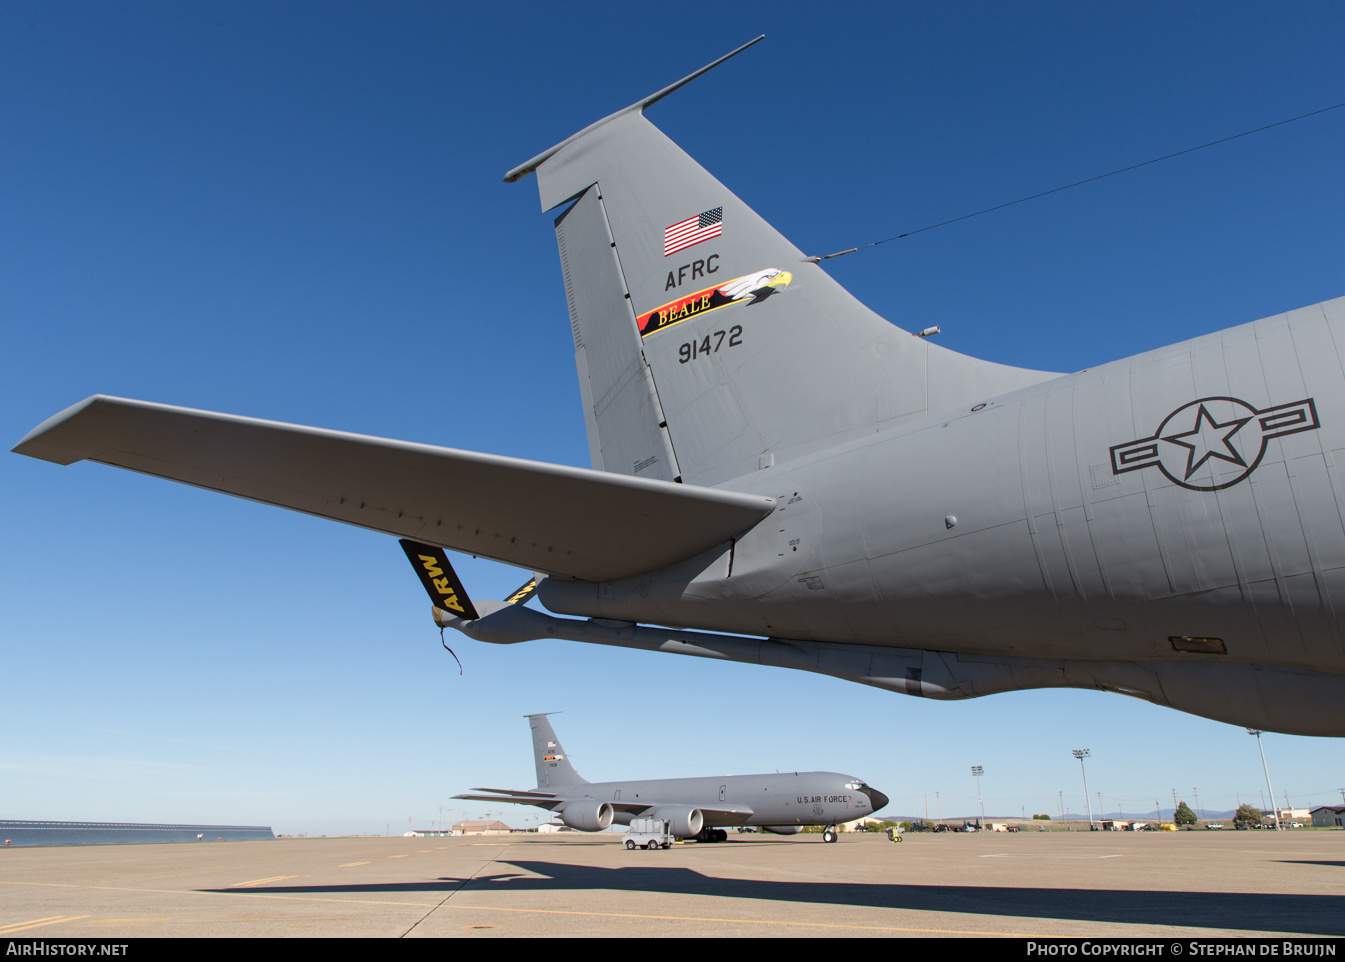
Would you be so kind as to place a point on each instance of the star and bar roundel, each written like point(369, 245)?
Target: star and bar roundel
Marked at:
point(1215, 442)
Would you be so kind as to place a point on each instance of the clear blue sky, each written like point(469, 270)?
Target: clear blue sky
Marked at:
point(296, 212)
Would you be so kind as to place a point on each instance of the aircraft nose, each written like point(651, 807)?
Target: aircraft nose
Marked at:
point(876, 798)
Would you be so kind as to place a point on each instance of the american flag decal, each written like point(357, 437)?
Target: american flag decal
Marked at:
point(693, 230)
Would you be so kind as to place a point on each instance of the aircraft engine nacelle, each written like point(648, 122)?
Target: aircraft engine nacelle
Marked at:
point(782, 829)
point(587, 815)
point(682, 822)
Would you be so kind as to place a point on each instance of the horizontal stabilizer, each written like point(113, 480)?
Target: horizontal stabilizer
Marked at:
point(561, 520)
point(515, 791)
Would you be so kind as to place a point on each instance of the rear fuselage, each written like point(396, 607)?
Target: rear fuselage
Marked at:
point(1178, 506)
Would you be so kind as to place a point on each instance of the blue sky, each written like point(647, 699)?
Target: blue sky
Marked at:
point(296, 212)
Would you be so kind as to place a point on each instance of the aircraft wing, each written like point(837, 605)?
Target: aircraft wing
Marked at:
point(719, 809)
point(548, 801)
point(527, 798)
point(575, 522)
point(516, 791)
point(637, 807)
point(552, 803)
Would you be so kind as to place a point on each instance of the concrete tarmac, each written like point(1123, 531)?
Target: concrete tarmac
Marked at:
point(1053, 884)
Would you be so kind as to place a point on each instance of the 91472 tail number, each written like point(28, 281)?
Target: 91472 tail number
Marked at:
point(710, 344)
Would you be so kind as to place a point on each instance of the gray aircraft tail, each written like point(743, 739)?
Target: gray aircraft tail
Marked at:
point(553, 766)
point(708, 346)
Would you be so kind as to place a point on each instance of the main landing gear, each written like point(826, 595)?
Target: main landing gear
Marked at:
point(712, 835)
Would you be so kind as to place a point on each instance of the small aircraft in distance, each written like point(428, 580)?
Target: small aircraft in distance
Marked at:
point(782, 477)
point(695, 807)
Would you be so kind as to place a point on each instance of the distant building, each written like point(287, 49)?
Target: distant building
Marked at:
point(860, 824)
point(1289, 814)
point(551, 828)
point(1329, 816)
point(481, 828)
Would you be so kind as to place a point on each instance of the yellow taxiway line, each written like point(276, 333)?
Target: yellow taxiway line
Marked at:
point(36, 923)
point(262, 881)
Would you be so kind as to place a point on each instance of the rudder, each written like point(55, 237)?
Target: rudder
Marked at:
point(627, 432)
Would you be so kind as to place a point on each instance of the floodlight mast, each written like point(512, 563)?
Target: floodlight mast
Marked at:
point(1081, 754)
point(978, 771)
point(1266, 768)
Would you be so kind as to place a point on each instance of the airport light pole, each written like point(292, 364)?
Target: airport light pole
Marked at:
point(977, 771)
point(1081, 754)
point(1199, 810)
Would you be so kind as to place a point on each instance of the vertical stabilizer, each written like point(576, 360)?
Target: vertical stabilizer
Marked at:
point(708, 345)
point(553, 766)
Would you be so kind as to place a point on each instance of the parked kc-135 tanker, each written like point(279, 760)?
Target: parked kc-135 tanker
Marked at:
point(772, 459)
point(693, 807)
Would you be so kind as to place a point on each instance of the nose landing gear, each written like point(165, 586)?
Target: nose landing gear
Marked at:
point(829, 833)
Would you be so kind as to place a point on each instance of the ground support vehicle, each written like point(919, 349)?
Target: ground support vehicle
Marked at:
point(648, 833)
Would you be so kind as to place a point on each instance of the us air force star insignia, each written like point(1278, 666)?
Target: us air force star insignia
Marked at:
point(1209, 438)
point(1215, 442)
